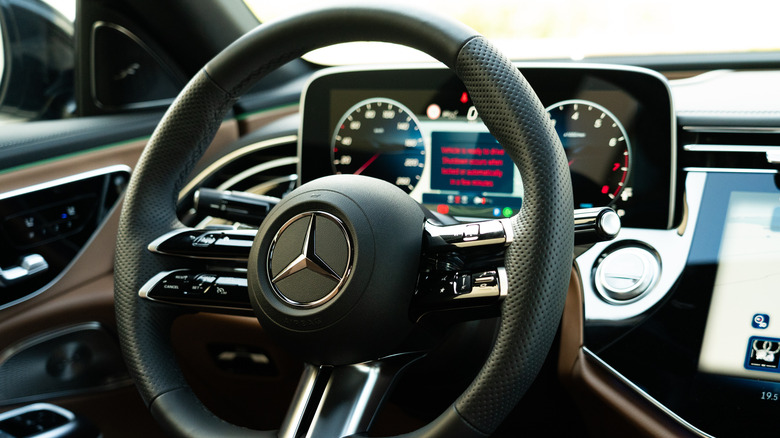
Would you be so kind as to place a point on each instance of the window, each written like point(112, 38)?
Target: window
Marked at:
point(38, 58)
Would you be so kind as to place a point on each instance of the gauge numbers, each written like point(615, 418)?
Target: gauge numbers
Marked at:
point(380, 138)
point(597, 149)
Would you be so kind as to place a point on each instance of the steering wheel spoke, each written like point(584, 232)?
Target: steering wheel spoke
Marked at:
point(218, 292)
point(218, 245)
point(342, 400)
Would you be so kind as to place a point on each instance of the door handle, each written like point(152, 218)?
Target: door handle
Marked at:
point(30, 266)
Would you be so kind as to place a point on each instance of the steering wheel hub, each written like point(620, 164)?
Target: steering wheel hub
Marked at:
point(332, 269)
point(313, 275)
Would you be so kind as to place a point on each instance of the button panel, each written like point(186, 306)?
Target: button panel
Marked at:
point(35, 227)
point(443, 290)
point(217, 290)
point(44, 227)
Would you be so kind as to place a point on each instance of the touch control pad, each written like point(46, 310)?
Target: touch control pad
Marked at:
point(442, 290)
point(186, 287)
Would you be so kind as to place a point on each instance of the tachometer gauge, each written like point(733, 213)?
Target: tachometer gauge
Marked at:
point(380, 138)
point(597, 149)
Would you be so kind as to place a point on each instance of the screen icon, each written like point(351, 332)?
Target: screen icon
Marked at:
point(763, 354)
point(760, 321)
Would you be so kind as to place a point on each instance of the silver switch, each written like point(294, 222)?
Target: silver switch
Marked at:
point(624, 275)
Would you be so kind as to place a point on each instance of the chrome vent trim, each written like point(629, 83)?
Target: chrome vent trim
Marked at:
point(239, 153)
point(698, 147)
point(731, 146)
point(732, 129)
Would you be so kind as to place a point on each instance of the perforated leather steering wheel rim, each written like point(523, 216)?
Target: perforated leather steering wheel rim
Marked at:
point(538, 262)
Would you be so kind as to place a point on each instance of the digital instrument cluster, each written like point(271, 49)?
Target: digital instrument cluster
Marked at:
point(419, 130)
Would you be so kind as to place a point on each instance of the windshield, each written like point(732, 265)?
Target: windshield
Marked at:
point(577, 29)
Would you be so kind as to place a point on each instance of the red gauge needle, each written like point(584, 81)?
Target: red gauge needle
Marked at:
point(367, 163)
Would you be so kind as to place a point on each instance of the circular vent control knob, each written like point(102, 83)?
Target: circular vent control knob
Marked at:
point(624, 275)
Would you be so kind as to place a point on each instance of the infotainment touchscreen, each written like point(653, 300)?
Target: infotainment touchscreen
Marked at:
point(742, 335)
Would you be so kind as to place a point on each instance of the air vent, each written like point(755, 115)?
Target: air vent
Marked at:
point(268, 167)
point(730, 147)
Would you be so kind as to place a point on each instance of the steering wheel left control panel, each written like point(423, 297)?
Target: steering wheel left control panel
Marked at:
point(44, 227)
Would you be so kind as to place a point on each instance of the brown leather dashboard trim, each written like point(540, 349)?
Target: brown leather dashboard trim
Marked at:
point(126, 154)
point(610, 407)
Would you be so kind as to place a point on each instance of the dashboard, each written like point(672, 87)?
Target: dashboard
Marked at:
point(419, 130)
point(671, 328)
point(679, 307)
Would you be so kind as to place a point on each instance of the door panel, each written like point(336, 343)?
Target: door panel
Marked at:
point(83, 293)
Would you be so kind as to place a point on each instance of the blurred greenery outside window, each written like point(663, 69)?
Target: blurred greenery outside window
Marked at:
point(576, 29)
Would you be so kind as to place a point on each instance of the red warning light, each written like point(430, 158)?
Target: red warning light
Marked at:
point(443, 208)
point(605, 190)
point(464, 98)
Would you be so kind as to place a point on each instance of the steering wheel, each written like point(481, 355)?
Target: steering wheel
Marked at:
point(333, 270)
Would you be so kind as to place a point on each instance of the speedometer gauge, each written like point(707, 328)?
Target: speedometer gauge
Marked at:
point(380, 138)
point(597, 149)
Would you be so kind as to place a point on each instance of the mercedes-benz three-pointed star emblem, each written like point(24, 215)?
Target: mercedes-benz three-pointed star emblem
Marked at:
point(308, 259)
point(328, 258)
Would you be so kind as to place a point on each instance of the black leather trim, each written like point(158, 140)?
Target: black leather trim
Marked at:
point(538, 261)
point(29, 142)
point(249, 58)
point(149, 211)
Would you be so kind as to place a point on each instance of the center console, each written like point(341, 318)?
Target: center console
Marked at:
point(709, 350)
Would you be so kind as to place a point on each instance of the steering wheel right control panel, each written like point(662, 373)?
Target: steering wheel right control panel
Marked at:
point(419, 130)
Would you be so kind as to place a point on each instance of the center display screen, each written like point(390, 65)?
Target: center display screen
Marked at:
point(742, 336)
point(711, 352)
